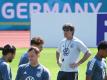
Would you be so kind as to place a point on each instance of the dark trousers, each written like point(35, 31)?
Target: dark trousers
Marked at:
point(67, 75)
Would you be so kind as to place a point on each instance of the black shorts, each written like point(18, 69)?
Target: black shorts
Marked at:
point(67, 75)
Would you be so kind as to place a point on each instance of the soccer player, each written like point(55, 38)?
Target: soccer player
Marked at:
point(96, 68)
point(68, 52)
point(8, 53)
point(36, 42)
point(33, 70)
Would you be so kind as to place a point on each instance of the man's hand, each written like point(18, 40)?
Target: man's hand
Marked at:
point(85, 57)
point(59, 64)
point(74, 65)
point(58, 59)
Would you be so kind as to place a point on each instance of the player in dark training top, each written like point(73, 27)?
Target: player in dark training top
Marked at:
point(96, 68)
point(33, 70)
point(8, 53)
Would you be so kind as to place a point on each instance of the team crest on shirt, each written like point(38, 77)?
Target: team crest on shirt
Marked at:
point(66, 51)
point(30, 78)
point(38, 74)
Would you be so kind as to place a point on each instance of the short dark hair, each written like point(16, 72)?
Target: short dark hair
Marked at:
point(35, 49)
point(68, 26)
point(8, 49)
point(36, 41)
point(102, 45)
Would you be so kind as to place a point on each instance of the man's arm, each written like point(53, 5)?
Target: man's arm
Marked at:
point(57, 58)
point(85, 57)
point(105, 78)
point(19, 75)
point(90, 69)
point(46, 75)
point(88, 77)
point(6, 72)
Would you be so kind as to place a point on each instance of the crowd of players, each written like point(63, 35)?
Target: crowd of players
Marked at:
point(67, 57)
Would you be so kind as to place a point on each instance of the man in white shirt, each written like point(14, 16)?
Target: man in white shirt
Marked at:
point(68, 53)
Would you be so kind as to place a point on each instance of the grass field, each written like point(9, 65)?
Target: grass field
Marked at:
point(48, 59)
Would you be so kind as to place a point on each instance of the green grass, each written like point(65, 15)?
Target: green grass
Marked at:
point(48, 59)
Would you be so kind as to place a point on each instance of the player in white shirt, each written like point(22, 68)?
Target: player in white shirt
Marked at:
point(68, 53)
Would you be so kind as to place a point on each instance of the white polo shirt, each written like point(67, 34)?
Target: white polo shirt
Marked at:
point(70, 52)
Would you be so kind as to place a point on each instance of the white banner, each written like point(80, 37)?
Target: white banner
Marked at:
point(49, 26)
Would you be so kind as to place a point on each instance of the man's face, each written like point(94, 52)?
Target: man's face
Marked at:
point(10, 57)
point(104, 51)
point(40, 47)
point(68, 33)
point(32, 57)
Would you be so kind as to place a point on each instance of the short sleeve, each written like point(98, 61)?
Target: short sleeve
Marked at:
point(91, 67)
point(6, 72)
point(59, 48)
point(46, 75)
point(19, 75)
point(82, 47)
